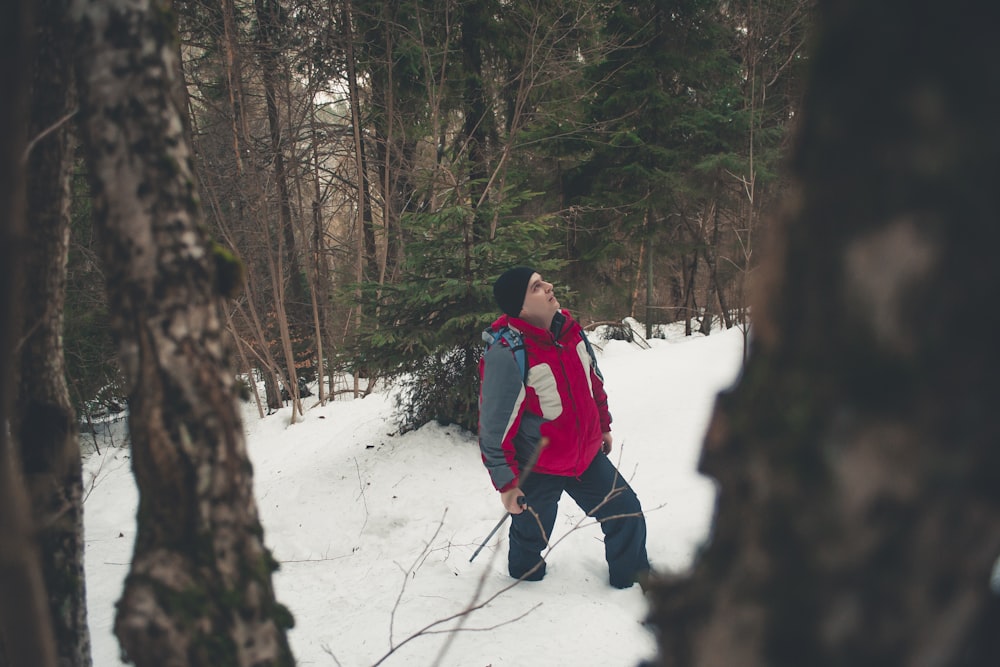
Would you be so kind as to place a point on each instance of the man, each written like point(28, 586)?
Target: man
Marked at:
point(561, 405)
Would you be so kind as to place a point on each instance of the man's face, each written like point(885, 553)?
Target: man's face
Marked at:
point(540, 303)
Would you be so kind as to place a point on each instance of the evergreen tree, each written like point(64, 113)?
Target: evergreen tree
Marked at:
point(428, 331)
point(480, 210)
point(663, 105)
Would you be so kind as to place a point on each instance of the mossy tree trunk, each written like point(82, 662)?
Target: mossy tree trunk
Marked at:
point(44, 421)
point(858, 464)
point(199, 590)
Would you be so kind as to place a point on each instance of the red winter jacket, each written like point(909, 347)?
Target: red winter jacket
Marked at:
point(563, 400)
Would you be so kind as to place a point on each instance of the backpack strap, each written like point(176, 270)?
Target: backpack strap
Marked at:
point(514, 342)
point(590, 351)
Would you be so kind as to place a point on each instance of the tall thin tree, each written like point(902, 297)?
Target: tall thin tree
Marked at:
point(290, 306)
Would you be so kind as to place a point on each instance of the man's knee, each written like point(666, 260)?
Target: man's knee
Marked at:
point(529, 531)
point(621, 502)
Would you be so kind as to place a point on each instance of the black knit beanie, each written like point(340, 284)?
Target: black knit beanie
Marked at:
point(511, 287)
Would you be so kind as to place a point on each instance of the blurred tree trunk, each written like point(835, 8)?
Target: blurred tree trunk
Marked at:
point(44, 421)
point(858, 518)
point(25, 629)
point(199, 590)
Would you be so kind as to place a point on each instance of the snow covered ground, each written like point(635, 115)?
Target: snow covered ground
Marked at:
point(374, 530)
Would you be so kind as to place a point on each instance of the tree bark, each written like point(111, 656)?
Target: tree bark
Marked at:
point(44, 421)
point(858, 519)
point(26, 636)
point(199, 590)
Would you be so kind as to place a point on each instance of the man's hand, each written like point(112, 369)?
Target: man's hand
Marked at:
point(606, 440)
point(513, 500)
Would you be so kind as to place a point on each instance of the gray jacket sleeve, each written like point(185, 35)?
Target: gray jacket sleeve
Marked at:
point(500, 402)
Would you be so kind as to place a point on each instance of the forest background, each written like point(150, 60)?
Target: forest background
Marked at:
point(328, 189)
point(359, 173)
point(374, 166)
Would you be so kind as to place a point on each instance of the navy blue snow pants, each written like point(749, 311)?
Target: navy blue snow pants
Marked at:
point(618, 512)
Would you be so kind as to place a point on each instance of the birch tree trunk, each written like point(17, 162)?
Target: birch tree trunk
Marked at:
point(199, 590)
point(858, 519)
point(44, 421)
